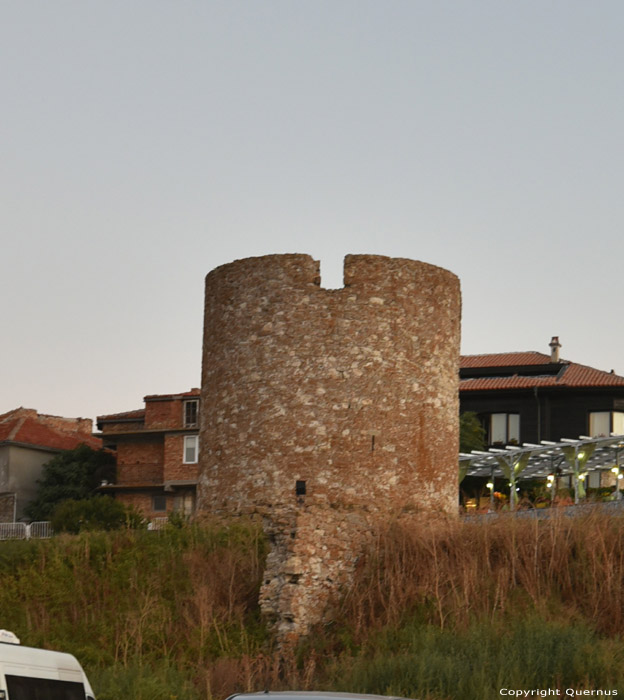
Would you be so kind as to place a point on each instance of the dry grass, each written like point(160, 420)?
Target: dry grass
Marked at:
point(452, 572)
point(435, 605)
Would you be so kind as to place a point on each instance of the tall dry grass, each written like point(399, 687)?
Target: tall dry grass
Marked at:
point(451, 572)
point(438, 608)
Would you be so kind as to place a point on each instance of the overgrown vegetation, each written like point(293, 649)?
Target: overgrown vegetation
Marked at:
point(72, 474)
point(439, 609)
point(98, 513)
point(471, 432)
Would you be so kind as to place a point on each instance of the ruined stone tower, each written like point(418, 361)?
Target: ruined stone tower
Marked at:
point(325, 410)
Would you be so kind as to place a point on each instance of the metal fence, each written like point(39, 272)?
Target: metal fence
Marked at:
point(157, 523)
point(22, 531)
point(610, 507)
point(42, 530)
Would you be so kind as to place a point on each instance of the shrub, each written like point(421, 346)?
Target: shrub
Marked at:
point(72, 474)
point(99, 513)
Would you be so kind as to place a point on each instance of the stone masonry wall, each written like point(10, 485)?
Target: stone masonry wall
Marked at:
point(325, 410)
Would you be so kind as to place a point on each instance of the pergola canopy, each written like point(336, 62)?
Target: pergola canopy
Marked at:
point(568, 457)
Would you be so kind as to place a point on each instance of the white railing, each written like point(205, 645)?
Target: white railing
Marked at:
point(12, 531)
point(157, 523)
point(22, 531)
point(41, 530)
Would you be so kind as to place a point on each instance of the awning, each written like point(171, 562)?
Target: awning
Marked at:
point(568, 457)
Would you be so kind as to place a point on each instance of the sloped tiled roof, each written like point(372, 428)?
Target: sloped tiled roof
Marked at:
point(570, 374)
point(182, 395)
point(137, 415)
point(504, 359)
point(27, 427)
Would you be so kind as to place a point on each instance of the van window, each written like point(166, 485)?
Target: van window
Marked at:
point(26, 688)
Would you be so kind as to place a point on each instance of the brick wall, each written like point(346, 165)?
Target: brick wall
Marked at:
point(175, 469)
point(140, 462)
point(122, 427)
point(161, 414)
point(353, 391)
point(143, 502)
point(67, 425)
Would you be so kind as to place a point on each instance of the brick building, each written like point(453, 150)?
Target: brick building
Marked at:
point(27, 441)
point(157, 453)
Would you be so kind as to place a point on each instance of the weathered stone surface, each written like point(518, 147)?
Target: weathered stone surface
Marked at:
point(348, 394)
point(7, 507)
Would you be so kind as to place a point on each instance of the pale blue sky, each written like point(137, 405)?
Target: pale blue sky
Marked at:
point(144, 143)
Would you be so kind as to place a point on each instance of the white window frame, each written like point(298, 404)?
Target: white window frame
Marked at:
point(605, 430)
point(191, 442)
point(511, 424)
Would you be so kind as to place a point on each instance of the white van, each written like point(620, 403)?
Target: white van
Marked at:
point(38, 674)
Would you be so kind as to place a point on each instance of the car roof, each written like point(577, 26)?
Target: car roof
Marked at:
point(310, 694)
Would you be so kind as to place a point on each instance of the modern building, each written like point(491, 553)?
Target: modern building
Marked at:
point(157, 453)
point(530, 396)
point(27, 441)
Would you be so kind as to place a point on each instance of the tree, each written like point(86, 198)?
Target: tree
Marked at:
point(72, 474)
point(471, 432)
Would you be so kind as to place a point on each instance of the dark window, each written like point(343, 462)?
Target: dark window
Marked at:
point(191, 413)
point(300, 488)
point(159, 503)
point(25, 688)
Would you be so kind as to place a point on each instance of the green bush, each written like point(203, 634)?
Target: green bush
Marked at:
point(99, 513)
point(72, 474)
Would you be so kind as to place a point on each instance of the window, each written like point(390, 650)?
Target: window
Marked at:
point(191, 412)
point(27, 688)
point(503, 428)
point(594, 479)
point(603, 423)
point(159, 504)
point(191, 449)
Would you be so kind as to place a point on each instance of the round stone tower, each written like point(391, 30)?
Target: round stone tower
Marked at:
point(319, 401)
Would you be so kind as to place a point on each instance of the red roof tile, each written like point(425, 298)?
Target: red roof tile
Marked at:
point(137, 415)
point(27, 427)
point(504, 359)
point(572, 375)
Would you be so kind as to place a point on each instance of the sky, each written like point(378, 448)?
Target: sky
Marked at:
point(144, 143)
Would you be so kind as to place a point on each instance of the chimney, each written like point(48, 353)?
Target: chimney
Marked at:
point(554, 348)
